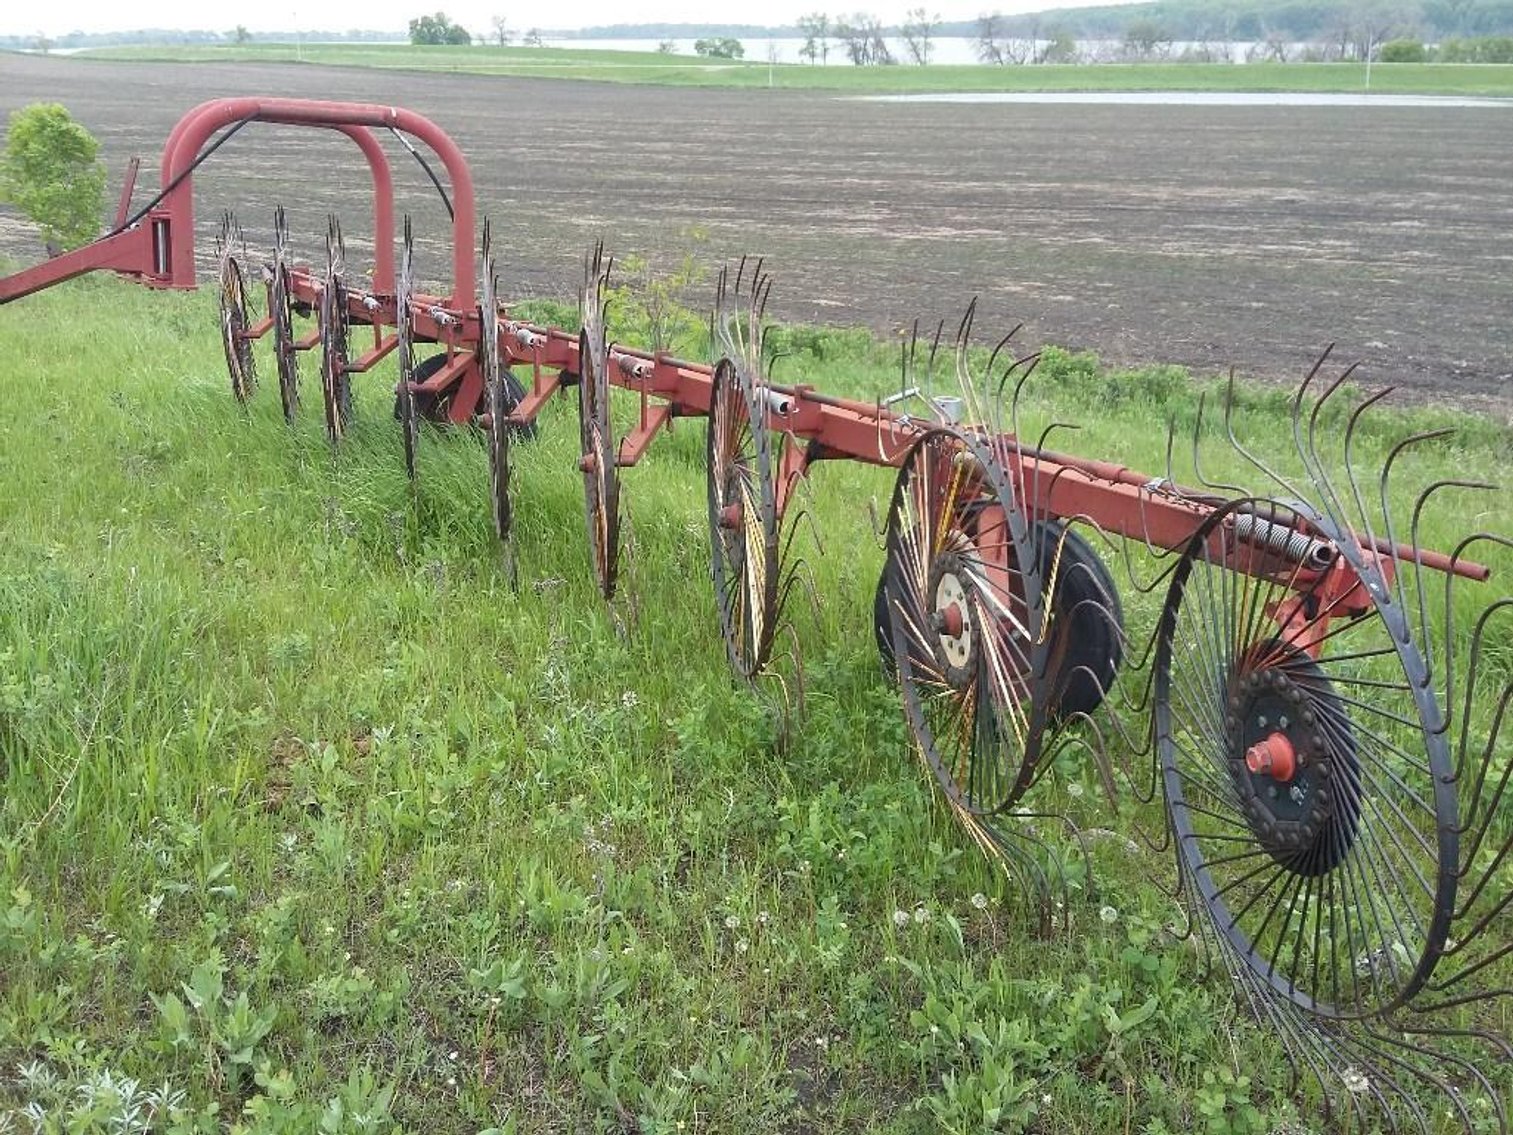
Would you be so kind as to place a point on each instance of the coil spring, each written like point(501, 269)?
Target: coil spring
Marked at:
point(1284, 540)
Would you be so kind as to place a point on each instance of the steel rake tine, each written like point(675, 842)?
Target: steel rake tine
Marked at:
point(1313, 465)
point(1413, 534)
point(1356, 417)
point(1218, 486)
point(1239, 448)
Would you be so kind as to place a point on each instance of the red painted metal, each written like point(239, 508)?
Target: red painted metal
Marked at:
point(1273, 756)
point(128, 184)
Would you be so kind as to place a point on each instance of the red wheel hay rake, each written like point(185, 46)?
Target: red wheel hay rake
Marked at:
point(1325, 721)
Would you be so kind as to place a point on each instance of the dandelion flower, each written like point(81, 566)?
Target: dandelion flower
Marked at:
point(1109, 915)
point(900, 918)
point(980, 901)
point(921, 915)
point(1355, 1081)
point(731, 922)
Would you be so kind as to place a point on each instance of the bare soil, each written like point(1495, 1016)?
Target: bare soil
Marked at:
point(1207, 236)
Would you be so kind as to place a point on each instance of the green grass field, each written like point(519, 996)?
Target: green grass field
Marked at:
point(653, 68)
point(311, 821)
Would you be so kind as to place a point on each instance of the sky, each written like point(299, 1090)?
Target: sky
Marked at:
point(58, 17)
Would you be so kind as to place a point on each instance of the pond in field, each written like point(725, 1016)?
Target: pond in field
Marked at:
point(1200, 98)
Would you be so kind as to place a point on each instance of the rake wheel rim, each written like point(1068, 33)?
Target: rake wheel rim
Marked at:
point(743, 542)
point(497, 393)
point(1321, 940)
point(954, 516)
point(601, 476)
point(241, 363)
point(336, 382)
point(409, 424)
point(280, 302)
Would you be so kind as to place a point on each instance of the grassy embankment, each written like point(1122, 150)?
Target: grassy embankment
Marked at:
point(653, 68)
point(309, 818)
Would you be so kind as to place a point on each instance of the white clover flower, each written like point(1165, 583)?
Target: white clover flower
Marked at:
point(1355, 1080)
point(731, 922)
point(742, 946)
point(629, 700)
point(1109, 915)
point(980, 901)
point(921, 915)
point(1074, 789)
point(762, 917)
point(900, 918)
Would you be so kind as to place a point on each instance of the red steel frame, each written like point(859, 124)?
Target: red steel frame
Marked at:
point(159, 251)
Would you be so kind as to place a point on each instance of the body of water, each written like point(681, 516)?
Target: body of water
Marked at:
point(945, 50)
point(1199, 98)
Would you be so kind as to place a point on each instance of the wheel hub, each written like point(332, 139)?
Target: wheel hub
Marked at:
point(952, 621)
point(1285, 767)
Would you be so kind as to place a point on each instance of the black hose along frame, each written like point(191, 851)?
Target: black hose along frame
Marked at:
point(1332, 761)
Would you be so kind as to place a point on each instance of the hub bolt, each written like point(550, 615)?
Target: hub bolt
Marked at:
point(1274, 757)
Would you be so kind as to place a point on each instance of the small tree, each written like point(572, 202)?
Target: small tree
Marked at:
point(438, 29)
point(1403, 51)
point(666, 47)
point(1146, 39)
point(816, 30)
point(917, 30)
point(862, 35)
point(241, 35)
point(52, 173)
point(1061, 48)
point(502, 33)
point(989, 38)
point(720, 47)
point(532, 38)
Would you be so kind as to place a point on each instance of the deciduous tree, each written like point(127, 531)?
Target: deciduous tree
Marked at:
point(51, 171)
point(438, 29)
point(917, 29)
point(815, 28)
point(720, 47)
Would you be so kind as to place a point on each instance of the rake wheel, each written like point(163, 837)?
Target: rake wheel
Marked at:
point(336, 381)
point(405, 408)
point(1085, 605)
point(601, 477)
point(743, 519)
point(962, 588)
point(496, 392)
point(597, 455)
point(281, 307)
point(1307, 776)
point(240, 361)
